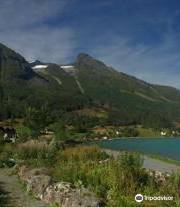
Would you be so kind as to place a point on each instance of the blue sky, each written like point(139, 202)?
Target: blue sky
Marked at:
point(138, 37)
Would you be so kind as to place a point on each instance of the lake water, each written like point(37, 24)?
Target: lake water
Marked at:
point(166, 147)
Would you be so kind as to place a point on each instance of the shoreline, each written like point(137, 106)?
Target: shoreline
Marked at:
point(117, 138)
point(150, 163)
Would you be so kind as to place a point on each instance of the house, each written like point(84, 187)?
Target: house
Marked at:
point(163, 133)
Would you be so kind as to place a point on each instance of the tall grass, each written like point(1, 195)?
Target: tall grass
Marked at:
point(115, 181)
point(36, 153)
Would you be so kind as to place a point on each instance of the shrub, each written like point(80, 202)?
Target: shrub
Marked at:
point(24, 133)
point(116, 181)
point(82, 153)
point(6, 155)
point(130, 161)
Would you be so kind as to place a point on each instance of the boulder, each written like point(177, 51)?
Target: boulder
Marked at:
point(57, 192)
point(38, 184)
point(81, 198)
point(63, 193)
point(25, 173)
point(158, 176)
point(66, 196)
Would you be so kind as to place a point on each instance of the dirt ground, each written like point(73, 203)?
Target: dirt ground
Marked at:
point(12, 193)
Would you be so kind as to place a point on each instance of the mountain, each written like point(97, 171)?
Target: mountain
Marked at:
point(17, 82)
point(127, 95)
point(13, 66)
point(120, 94)
point(121, 83)
point(86, 84)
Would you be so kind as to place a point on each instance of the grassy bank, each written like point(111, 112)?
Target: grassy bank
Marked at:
point(115, 181)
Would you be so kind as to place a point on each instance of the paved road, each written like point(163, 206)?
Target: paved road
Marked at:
point(151, 163)
point(13, 194)
point(159, 165)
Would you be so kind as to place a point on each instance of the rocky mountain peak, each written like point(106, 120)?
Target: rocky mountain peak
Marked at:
point(13, 65)
point(84, 60)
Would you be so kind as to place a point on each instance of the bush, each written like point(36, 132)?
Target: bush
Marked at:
point(130, 161)
point(54, 205)
point(129, 132)
point(115, 181)
point(24, 133)
point(6, 155)
point(82, 153)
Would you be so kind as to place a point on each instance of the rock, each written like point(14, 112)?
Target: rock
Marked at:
point(159, 176)
point(66, 196)
point(38, 184)
point(38, 171)
point(63, 193)
point(57, 192)
point(81, 198)
point(25, 173)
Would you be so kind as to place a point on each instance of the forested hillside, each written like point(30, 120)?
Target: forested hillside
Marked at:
point(60, 91)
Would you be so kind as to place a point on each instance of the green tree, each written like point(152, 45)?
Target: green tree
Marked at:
point(37, 119)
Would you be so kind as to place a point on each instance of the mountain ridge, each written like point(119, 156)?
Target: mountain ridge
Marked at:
point(87, 83)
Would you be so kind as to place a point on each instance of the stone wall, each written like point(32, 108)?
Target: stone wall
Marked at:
point(65, 194)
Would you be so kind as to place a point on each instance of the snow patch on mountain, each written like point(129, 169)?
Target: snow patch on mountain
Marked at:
point(67, 66)
point(39, 67)
point(57, 79)
point(79, 86)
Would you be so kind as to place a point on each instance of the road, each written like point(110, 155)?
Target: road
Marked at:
point(151, 163)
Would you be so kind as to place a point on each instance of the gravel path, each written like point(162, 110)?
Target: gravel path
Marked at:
point(12, 193)
point(151, 163)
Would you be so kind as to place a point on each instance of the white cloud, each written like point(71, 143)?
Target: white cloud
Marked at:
point(156, 64)
point(45, 44)
point(22, 28)
point(25, 13)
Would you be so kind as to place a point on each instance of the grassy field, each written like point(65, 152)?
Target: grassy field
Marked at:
point(143, 132)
